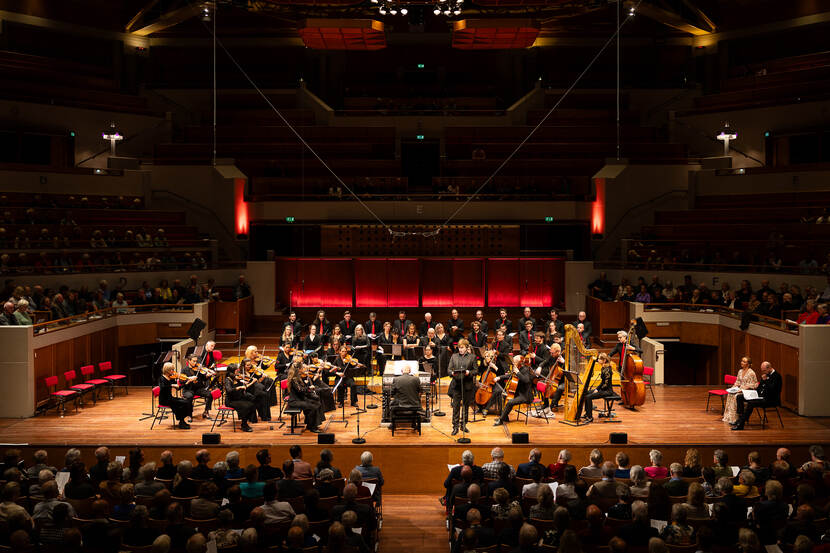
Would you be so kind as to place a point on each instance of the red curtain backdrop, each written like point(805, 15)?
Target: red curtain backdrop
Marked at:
point(502, 282)
point(437, 282)
point(424, 282)
point(403, 278)
point(467, 283)
point(370, 283)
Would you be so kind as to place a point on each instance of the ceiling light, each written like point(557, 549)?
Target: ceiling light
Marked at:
point(437, 11)
point(404, 11)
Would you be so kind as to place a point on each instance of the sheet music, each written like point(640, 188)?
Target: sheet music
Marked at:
point(659, 524)
point(450, 467)
point(733, 390)
point(61, 479)
point(751, 394)
point(371, 486)
point(735, 470)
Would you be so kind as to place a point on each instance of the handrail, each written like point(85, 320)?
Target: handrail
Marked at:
point(769, 322)
point(727, 268)
point(91, 316)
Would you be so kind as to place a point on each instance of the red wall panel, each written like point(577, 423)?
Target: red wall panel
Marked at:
point(502, 282)
point(403, 278)
point(467, 283)
point(437, 282)
point(370, 283)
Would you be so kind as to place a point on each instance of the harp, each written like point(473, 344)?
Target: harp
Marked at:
point(580, 374)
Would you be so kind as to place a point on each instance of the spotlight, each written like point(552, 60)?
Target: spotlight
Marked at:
point(447, 12)
point(631, 12)
point(374, 1)
point(404, 11)
point(437, 11)
point(456, 12)
point(393, 11)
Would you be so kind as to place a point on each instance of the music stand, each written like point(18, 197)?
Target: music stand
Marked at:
point(343, 405)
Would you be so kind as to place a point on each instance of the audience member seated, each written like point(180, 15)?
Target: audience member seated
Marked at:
point(640, 531)
point(594, 469)
point(676, 486)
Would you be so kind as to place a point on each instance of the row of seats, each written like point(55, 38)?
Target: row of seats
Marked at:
point(89, 384)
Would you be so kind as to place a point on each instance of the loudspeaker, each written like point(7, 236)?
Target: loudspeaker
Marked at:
point(325, 438)
point(519, 437)
point(211, 438)
point(196, 329)
point(618, 438)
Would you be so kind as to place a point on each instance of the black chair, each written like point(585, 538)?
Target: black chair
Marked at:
point(411, 415)
point(608, 414)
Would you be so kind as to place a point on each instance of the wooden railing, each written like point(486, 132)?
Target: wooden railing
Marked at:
point(769, 322)
point(91, 316)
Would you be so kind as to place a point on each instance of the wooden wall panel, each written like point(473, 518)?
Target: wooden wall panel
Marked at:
point(788, 365)
point(164, 330)
point(63, 358)
point(80, 352)
point(44, 366)
point(134, 335)
point(110, 347)
point(696, 333)
point(96, 348)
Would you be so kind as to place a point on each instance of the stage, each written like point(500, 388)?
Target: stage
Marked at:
point(676, 420)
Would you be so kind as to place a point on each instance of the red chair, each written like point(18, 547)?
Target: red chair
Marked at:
point(88, 371)
point(121, 379)
point(649, 372)
point(82, 388)
point(222, 412)
point(60, 396)
point(161, 410)
point(729, 380)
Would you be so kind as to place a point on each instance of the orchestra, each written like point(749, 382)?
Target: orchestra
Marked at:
point(484, 372)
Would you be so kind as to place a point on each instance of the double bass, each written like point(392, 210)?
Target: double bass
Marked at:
point(633, 386)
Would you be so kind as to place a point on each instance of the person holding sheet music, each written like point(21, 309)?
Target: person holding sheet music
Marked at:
point(604, 389)
point(360, 346)
point(429, 363)
point(524, 390)
point(347, 367)
point(767, 395)
point(503, 321)
point(462, 367)
point(442, 337)
point(313, 341)
point(385, 344)
point(429, 340)
point(410, 341)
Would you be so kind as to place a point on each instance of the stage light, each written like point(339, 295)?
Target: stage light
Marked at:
point(393, 11)
point(447, 12)
point(374, 1)
point(382, 11)
point(456, 12)
point(726, 134)
point(631, 12)
point(113, 136)
point(404, 11)
point(436, 11)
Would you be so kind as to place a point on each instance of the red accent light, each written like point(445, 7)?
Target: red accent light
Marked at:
point(241, 206)
point(493, 34)
point(343, 34)
point(598, 208)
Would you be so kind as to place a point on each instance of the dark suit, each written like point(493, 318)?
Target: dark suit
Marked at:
point(525, 340)
point(523, 320)
point(505, 350)
point(401, 326)
point(373, 327)
point(347, 327)
point(524, 393)
point(365, 514)
point(507, 323)
point(288, 488)
point(458, 364)
point(312, 342)
point(587, 325)
point(425, 326)
point(406, 392)
point(484, 326)
point(637, 534)
point(523, 470)
point(485, 537)
point(558, 325)
point(478, 339)
point(769, 395)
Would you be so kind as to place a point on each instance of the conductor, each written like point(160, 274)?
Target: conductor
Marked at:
point(406, 392)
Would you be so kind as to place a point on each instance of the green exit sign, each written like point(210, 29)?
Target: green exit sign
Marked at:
point(421, 66)
point(289, 219)
point(548, 219)
point(419, 136)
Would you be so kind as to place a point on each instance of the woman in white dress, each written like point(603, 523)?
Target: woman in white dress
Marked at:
point(746, 380)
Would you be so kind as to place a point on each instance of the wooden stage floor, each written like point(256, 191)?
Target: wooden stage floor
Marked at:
point(678, 417)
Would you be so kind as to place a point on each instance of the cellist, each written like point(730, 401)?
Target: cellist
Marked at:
point(524, 390)
point(488, 367)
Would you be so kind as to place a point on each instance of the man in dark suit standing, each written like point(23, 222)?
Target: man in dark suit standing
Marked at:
point(401, 324)
point(769, 395)
point(463, 369)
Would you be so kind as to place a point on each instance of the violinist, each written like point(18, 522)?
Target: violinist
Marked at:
point(181, 407)
point(284, 361)
point(361, 346)
point(316, 375)
point(553, 373)
point(410, 340)
point(503, 321)
point(330, 350)
point(312, 341)
point(259, 360)
point(524, 390)
point(237, 396)
point(347, 366)
point(497, 387)
point(604, 389)
point(258, 389)
point(373, 327)
point(301, 395)
point(201, 385)
point(477, 338)
point(462, 367)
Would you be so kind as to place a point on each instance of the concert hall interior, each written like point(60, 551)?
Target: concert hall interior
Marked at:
point(415, 275)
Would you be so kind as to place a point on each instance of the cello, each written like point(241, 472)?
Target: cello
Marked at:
point(485, 384)
point(633, 387)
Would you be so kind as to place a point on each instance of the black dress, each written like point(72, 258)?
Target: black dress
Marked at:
point(240, 400)
point(181, 407)
point(301, 397)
